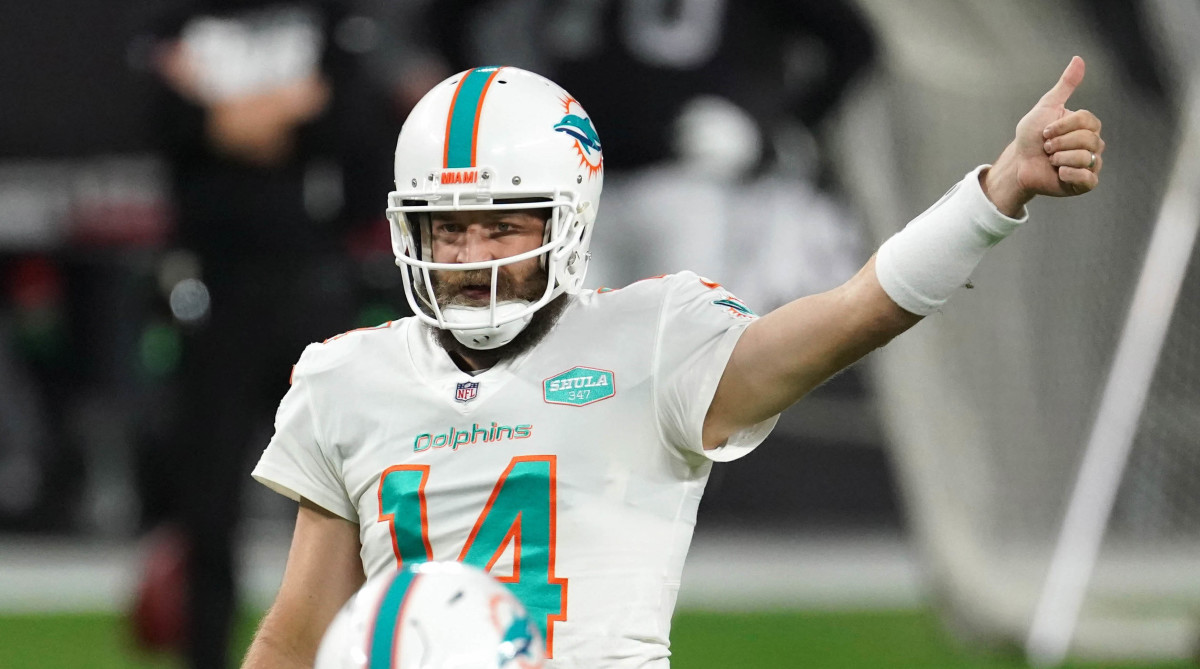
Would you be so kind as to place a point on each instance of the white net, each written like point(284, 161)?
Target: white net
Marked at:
point(1157, 500)
point(989, 405)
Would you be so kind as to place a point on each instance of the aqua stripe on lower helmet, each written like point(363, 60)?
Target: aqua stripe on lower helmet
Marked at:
point(383, 637)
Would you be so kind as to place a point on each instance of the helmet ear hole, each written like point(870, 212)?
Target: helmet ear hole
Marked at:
point(418, 223)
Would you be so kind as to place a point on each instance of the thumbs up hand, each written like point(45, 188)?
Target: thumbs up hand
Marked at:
point(1056, 151)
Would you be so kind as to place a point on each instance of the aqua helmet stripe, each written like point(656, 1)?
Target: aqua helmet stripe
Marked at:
point(388, 617)
point(462, 124)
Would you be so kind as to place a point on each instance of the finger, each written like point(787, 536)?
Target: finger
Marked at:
point(1077, 158)
point(1076, 180)
point(1076, 120)
point(1071, 77)
point(1078, 139)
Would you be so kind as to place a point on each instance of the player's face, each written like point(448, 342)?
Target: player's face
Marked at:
point(475, 236)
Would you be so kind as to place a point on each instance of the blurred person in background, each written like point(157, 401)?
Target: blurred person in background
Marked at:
point(562, 437)
point(40, 470)
point(277, 140)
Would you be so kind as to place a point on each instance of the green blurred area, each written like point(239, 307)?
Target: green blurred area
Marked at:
point(893, 639)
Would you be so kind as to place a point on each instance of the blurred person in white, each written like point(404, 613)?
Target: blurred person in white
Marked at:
point(432, 615)
point(561, 438)
point(696, 211)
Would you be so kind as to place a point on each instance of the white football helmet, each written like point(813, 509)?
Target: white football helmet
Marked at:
point(495, 138)
point(433, 615)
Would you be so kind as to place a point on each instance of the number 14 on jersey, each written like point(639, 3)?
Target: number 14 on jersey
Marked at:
point(520, 511)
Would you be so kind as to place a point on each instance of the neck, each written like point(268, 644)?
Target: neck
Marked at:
point(475, 360)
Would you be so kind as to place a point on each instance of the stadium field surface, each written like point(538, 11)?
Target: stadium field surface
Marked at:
point(776, 640)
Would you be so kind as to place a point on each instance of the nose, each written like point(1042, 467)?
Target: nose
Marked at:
point(474, 246)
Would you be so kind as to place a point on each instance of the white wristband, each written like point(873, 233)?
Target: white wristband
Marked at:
point(923, 264)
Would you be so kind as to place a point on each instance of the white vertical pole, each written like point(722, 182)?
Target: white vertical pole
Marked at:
point(1121, 404)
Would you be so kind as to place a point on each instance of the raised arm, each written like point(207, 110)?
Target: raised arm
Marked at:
point(791, 350)
point(323, 570)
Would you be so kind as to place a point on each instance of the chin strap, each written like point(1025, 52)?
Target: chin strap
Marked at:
point(486, 338)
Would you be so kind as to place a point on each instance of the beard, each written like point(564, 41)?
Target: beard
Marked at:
point(448, 287)
point(448, 290)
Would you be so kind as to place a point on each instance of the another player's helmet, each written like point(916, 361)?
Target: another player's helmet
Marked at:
point(495, 138)
point(433, 615)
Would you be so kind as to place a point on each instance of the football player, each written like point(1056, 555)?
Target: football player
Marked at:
point(561, 438)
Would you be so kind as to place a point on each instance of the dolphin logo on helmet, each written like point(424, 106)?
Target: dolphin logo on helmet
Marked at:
point(581, 129)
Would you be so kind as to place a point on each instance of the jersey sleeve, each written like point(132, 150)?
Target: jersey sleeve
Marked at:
point(699, 326)
point(298, 462)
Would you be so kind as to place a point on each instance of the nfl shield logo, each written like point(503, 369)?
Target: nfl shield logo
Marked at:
point(465, 392)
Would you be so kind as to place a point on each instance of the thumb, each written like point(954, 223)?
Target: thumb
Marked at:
point(1071, 78)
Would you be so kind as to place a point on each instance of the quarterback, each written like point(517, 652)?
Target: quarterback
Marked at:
point(560, 438)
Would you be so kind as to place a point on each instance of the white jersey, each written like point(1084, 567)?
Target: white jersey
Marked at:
point(571, 472)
